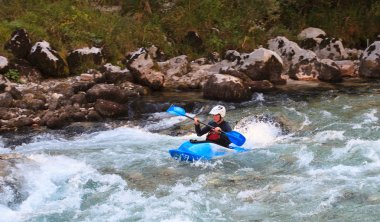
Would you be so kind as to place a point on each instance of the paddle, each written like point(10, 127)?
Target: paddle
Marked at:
point(235, 137)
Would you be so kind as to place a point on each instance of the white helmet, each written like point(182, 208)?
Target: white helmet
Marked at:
point(221, 110)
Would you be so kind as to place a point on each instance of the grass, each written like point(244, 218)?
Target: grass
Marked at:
point(222, 24)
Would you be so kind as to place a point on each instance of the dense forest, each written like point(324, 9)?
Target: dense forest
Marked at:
point(120, 26)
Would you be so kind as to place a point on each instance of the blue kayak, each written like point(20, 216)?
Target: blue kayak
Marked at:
point(203, 151)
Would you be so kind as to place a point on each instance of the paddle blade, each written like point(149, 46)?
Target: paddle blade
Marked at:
point(236, 138)
point(177, 111)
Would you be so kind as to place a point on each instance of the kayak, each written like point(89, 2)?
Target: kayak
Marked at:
point(203, 151)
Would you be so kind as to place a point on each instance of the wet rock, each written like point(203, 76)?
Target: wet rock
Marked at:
point(80, 60)
point(19, 44)
point(370, 62)
point(226, 88)
point(145, 70)
point(47, 60)
point(93, 115)
point(107, 92)
point(109, 109)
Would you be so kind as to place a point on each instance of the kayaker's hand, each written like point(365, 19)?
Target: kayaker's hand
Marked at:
point(196, 121)
point(218, 130)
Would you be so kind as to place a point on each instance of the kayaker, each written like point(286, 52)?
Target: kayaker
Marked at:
point(215, 133)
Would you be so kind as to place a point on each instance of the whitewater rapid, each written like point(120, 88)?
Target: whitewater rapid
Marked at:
point(325, 166)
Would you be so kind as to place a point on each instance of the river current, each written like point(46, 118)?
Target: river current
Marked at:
point(323, 164)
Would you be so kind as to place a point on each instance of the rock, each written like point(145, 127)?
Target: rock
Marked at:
point(79, 98)
point(174, 69)
point(82, 86)
point(80, 60)
point(6, 99)
point(301, 64)
point(348, 68)
point(310, 33)
point(16, 94)
point(134, 90)
point(93, 116)
point(156, 53)
point(109, 109)
point(23, 121)
point(4, 65)
point(28, 73)
point(261, 64)
point(115, 75)
point(260, 86)
point(369, 66)
point(19, 44)
point(329, 71)
point(106, 92)
point(145, 70)
point(193, 39)
point(331, 48)
point(226, 88)
point(47, 60)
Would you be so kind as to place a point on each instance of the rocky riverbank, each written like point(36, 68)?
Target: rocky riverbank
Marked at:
point(40, 89)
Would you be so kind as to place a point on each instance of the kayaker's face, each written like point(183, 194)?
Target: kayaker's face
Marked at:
point(217, 118)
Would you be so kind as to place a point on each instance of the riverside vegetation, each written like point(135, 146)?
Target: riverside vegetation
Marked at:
point(122, 26)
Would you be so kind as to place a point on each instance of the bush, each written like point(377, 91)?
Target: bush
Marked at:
point(13, 75)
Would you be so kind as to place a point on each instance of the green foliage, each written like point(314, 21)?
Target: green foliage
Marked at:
point(13, 75)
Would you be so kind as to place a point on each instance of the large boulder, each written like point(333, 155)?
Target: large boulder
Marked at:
point(329, 71)
point(262, 64)
point(47, 60)
point(300, 64)
point(115, 75)
point(80, 60)
point(19, 44)
point(4, 65)
point(310, 33)
point(110, 109)
point(226, 88)
point(145, 70)
point(106, 92)
point(174, 69)
point(348, 68)
point(370, 62)
point(325, 48)
point(331, 48)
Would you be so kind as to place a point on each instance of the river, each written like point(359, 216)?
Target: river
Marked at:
point(324, 165)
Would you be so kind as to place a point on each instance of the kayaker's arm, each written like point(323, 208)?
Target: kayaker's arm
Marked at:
point(202, 131)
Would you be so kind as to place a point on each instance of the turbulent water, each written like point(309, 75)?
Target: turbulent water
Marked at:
point(322, 163)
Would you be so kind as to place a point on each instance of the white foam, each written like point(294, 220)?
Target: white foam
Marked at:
point(370, 117)
point(304, 157)
point(325, 136)
point(258, 134)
